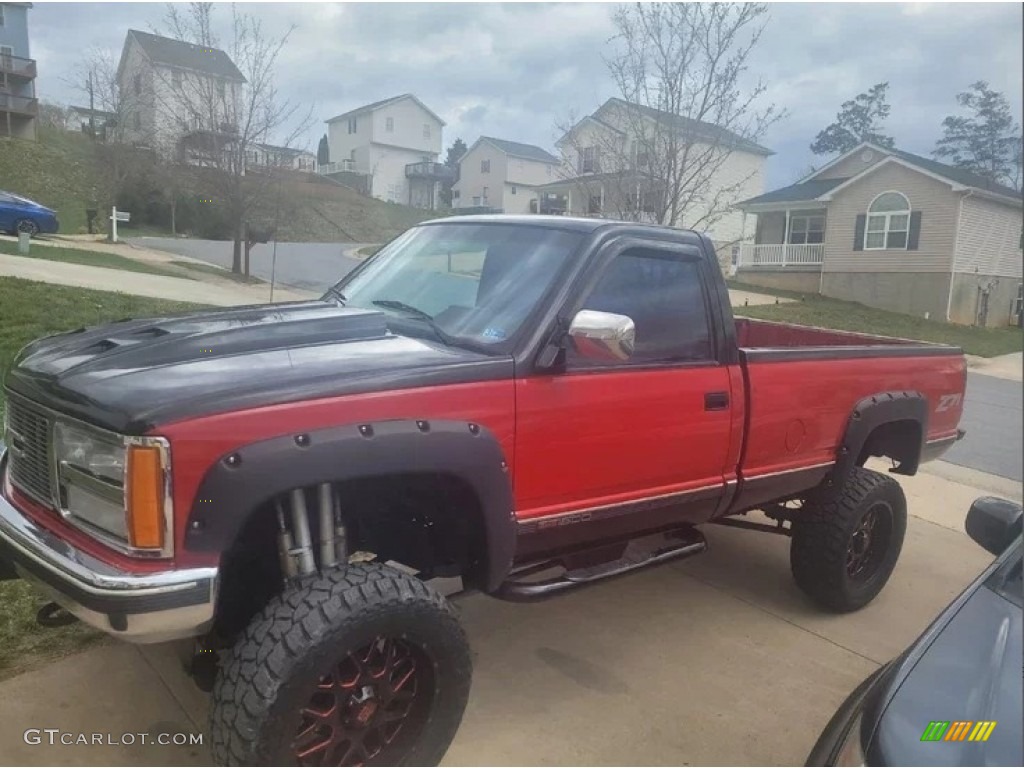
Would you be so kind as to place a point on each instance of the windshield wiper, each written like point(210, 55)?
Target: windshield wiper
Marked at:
point(401, 306)
point(418, 314)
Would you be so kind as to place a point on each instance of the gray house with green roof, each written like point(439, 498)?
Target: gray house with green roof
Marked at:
point(892, 230)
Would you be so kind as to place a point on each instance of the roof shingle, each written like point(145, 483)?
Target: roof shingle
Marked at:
point(525, 151)
point(795, 193)
point(176, 53)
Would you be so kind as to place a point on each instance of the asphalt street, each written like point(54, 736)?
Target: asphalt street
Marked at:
point(994, 424)
point(309, 266)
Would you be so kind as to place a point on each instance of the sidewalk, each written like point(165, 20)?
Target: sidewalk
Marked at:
point(1009, 366)
point(671, 665)
point(218, 293)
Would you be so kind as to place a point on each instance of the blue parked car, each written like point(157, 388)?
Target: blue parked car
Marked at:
point(19, 214)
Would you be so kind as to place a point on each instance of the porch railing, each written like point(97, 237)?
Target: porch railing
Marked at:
point(781, 254)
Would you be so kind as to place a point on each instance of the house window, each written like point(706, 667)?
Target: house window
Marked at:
point(456, 194)
point(594, 204)
point(2, 22)
point(513, 190)
point(486, 190)
point(138, 84)
point(589, 160)
point(426, 130)
point(888, 222)
point(220, 89)
point(176, 78)
point(485, 166)
point(353, 125)
point(389, 124)
point(806, 229)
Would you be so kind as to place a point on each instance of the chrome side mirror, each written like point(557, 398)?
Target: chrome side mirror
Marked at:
point(994, 523)
point(602, 336)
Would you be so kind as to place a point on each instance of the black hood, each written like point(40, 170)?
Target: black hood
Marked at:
point(132, 375)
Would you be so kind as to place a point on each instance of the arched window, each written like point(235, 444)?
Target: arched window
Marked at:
point(888, 222)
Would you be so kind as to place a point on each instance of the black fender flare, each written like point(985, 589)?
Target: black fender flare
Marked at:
point(242, 481)
point(869, 414)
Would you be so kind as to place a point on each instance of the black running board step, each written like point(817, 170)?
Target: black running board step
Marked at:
point(639, 553)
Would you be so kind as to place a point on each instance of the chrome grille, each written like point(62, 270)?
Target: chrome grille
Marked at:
point(29, 457)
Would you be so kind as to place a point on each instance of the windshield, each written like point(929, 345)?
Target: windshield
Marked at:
point(470, 282)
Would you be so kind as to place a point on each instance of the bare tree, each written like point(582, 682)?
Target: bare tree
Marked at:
point(685, 107)
point(226, 121)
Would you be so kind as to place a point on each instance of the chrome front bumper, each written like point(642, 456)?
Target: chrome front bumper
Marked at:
point(139, 608)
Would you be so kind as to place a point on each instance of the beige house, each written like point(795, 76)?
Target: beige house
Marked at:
point(895, 231)
point(611, 162)
point(392, 147)
point(502, 175)
point(179, 98)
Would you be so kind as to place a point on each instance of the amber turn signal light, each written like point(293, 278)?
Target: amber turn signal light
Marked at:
point(145, 498)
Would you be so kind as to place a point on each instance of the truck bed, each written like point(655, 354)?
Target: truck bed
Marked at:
point(802, 385)
point(754, 334)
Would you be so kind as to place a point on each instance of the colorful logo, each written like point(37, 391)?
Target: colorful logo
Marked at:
point(958, 730)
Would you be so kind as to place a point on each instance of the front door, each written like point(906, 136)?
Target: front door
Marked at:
point(607, 449)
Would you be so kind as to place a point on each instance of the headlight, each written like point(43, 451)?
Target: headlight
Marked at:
point(84, 450)
point(850, 750)
point(90, 475)
point(117, 486)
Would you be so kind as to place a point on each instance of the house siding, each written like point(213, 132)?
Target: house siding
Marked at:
point(939, 207)
point(384, 154)
point(472, 181)
point(851, 166)
point(14, 32)
point(989, 239)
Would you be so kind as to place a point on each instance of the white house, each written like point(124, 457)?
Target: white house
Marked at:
point(504, 175)
point(272, 156)
point(175, 94)
point(395, 143)
point(611, 167)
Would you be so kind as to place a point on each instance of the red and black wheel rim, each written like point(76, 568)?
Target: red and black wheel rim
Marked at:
point(368, 708)
point(869, 543)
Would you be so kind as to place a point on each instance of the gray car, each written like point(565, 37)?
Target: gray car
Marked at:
point(953, 697)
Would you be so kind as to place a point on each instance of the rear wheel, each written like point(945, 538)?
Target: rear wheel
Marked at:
point(364, 665)
point(845, 548)
point(27, 226)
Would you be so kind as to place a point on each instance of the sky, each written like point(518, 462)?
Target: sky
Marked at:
point(517, 71)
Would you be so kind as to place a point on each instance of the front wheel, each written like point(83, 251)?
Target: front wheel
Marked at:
point(27, 226)
point(845, 548)
point(364, 665)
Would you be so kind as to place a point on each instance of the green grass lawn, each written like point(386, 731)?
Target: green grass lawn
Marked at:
point(209, 269)
point(29, 310)
point(812, 309)
point(38, 250)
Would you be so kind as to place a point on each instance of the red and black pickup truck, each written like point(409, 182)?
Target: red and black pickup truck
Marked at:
point(528, 403)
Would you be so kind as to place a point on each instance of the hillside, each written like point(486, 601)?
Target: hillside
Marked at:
point(317, 210)
point(60, 170)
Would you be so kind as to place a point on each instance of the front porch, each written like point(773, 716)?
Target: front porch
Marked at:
point(785, 238)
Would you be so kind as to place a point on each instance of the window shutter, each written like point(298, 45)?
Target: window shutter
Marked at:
point(858, 232)
point(915, 230)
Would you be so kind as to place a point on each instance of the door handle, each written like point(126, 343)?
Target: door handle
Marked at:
point(716, 401)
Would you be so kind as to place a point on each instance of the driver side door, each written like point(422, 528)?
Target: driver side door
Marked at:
point(606, 449)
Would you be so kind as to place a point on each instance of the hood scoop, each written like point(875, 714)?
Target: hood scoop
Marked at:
point(136, 344)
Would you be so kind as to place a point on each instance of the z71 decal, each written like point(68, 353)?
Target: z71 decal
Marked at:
point(948, 401)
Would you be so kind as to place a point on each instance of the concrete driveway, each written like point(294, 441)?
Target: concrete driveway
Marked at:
point(717, 660)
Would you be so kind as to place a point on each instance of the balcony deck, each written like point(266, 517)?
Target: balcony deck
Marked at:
point(781, 255)
point(18, 67)
point(429, 171)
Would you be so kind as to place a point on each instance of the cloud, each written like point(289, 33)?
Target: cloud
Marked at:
point(518, 70)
